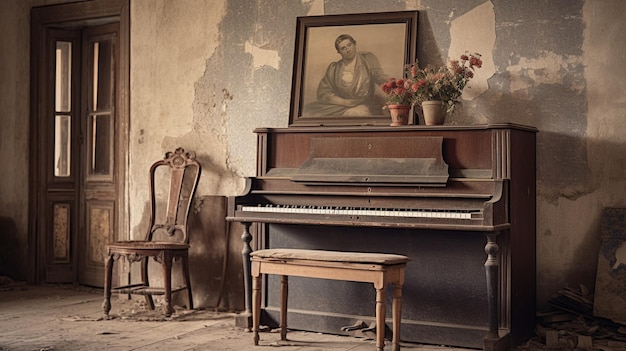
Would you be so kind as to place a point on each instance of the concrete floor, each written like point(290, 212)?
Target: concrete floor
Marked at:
point(67, 318)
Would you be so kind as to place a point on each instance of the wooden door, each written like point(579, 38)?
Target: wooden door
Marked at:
point(79, 123)
point(99, 177)
point(60, 134)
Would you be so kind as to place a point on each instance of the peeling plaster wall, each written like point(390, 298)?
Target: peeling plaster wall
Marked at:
point(170, 42)
point(539, 64)
point(204, 74)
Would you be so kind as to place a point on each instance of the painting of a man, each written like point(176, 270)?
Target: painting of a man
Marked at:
point(349, 85)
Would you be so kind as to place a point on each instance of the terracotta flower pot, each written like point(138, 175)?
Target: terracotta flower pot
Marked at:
point(399, 114)
point(434, 112)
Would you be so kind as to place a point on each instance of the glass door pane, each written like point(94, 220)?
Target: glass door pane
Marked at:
point(62, 107)
point(100, 134)
point(62, 145)
point(100, 119)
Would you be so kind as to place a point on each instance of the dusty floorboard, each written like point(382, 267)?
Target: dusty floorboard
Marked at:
point(46, 318)
point(67, 318)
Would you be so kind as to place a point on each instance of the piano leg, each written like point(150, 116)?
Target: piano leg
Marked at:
point(244, 320)
point(493, 341)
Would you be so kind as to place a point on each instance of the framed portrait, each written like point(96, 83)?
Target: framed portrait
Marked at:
point(340, 62)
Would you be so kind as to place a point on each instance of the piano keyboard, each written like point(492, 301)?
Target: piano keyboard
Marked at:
point(352, 211)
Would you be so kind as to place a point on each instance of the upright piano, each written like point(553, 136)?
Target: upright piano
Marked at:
point(458, 200)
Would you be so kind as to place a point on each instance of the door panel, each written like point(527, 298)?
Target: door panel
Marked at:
point(100, 221)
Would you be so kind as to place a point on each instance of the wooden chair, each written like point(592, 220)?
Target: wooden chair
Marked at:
point(166, 239)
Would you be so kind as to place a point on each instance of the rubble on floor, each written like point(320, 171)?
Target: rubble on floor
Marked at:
point(570, 325)
point(7, 283)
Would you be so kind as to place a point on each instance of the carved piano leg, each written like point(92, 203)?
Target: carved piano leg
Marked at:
point(245, 320)
point(493, 341)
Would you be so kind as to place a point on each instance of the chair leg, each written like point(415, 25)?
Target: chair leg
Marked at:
point(380, 319)
point(145, 281)
point(284, 293)
point(187, 282)
point(396, 312)
point(256, 306)
point(108, 275)
point(167, 283)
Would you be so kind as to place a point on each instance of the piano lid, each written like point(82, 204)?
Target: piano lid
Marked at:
point(414, 160)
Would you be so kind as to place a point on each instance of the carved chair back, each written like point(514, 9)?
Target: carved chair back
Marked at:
point(171, 204)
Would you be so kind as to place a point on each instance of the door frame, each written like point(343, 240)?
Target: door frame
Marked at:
point(42, 18)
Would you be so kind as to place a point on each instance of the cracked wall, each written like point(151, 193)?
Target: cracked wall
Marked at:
point(204, 74)
point(553, 71)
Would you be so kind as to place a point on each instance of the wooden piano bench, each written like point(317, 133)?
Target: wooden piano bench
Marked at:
point(376, 268)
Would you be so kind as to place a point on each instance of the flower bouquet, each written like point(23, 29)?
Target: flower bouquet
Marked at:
point(445, 83)
point(398, 91)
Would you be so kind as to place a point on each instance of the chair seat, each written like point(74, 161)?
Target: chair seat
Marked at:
point(147, 245)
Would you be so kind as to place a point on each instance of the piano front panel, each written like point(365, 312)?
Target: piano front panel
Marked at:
point(462, 149)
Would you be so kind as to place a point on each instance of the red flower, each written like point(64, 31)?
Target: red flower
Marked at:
point(475, 61)
point(385, 87)
point(399, 90)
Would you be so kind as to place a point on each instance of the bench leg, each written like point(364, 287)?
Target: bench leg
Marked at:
point(256, 307)
point(396, 313)
point(284, 292)
point(380, 319)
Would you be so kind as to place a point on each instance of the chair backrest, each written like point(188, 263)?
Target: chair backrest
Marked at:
point(170, 206)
